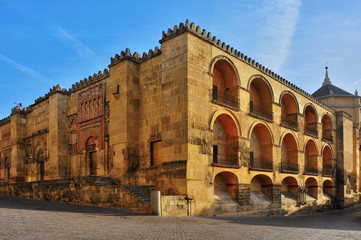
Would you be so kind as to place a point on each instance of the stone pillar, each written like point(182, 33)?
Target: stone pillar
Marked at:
point(18, 133)
point(56, 166)
point(243, 194)
point(344, 164)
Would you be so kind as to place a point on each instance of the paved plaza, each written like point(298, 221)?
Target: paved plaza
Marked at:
point(35, 219)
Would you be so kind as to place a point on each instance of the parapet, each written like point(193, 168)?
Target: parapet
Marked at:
point(52, 91)
point(88, 81)
point(4, 120)
point(207, 36)
point(127, 55)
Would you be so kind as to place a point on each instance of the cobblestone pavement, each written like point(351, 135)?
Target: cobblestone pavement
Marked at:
point(35, 219)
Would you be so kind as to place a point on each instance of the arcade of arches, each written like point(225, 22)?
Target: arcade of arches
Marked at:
point(196, 123)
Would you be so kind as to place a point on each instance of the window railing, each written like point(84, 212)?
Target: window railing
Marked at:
point(311, 128)
point(260, 164)
point(290, 121)
point(225, 98)
point(327, 171)
point(228, 160)
point(311, 170)
point(327, 135)
point(260, 111)
point(289, 167)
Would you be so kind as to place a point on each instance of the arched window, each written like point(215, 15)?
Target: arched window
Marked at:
point(225, 141)
point(225, 84)
point(311, 121)
point(289, 111)
point(261, 149)
point(327, 128)
point(311, 158)
point(289, 154)
point(260, 99)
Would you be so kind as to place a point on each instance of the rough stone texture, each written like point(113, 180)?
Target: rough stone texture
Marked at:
point(174, 205)
point(243, 194)
point(180, 119)
point(97, 191)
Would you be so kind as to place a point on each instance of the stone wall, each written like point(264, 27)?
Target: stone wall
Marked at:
point(82, 190)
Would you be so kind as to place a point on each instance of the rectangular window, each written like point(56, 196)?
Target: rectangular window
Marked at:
point(155, 153)
point(215, 92)
point(215, 154)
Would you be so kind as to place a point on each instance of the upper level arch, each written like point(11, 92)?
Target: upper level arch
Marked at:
point(289, 110)
point(228, 113)
point(223, 59)
point(289, 96)
point(261, 97)
point(310, 120)
point(225, 82)
point(326, 127)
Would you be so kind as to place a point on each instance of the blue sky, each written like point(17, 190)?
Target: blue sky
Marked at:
point(44, 43)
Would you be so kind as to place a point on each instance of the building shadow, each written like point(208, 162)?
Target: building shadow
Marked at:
point(9, 202)
point(340, 219)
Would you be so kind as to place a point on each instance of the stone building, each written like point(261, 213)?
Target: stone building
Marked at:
point(211, 129)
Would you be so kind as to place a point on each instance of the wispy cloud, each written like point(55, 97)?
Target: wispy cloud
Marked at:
point(278, 25)
point(356, 82)
point(77, 45)
point(27, 70)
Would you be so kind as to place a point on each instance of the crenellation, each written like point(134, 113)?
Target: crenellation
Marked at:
point(217, 42)
point(198, 29)
point(173, 123)
point(4, 120)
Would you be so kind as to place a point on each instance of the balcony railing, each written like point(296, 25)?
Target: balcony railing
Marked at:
point(225, 98)
point(311, 170)
point(260, 164)
point(260, 111)
point(290, 121)
point(226, 160)
point(327, 135)
point(327, 171)
point(311, 128)
point(289, 167)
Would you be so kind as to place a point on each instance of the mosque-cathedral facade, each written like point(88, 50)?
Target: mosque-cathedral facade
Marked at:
point(211, 129)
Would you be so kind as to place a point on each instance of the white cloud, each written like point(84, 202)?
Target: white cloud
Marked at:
point(77, 45)
point(356, 82)
point(278, 21)
point(27, 70)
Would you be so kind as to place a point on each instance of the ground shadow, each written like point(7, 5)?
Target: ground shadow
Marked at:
point(340, 219)
point(42, 205)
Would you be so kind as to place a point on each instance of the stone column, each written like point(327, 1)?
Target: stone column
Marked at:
point(243, 194)
point(18, 133)
point(276, 195)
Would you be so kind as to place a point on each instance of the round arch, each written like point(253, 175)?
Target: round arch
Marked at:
point(264, 124)
point(229, 61)
point(288, 132)
point(291, 180)
point(323, 148)
point(293, 96)
point(257, 76)
point(308, 140)
point(225, 181)
point(219, 112)
point(314, 109)
point(261, 184)
point(326, 114)
point(90, 134)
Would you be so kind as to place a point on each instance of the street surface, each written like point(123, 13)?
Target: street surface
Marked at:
point(36, 219)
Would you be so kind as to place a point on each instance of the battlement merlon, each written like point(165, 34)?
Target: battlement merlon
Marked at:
point(207, 36)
